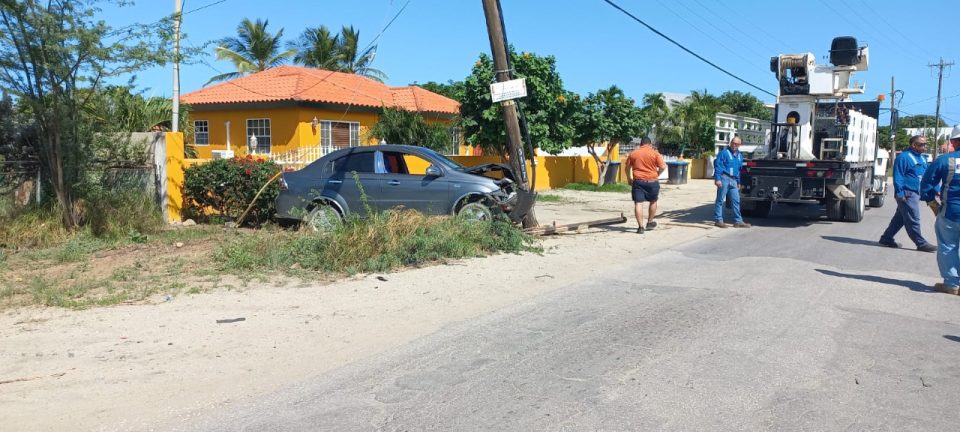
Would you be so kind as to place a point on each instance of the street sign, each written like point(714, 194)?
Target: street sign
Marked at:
point(506, 90)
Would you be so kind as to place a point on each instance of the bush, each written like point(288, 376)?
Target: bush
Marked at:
point(381, 242)
point(225, 187)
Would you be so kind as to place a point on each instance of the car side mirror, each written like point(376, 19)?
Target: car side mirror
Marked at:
point(433, 171)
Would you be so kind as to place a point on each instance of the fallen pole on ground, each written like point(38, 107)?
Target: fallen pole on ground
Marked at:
point(579, 226)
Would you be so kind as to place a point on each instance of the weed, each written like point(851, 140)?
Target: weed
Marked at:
point(550, 198)
point(607, 187)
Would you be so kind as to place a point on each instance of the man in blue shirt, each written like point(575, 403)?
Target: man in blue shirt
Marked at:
point(943, 176)
point(907, 172)
point(726, 175)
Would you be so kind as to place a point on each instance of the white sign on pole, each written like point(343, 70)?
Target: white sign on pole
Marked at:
point(506, 90)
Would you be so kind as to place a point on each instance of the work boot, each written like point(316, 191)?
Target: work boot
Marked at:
point(720, 224)
point(889, 243)
point(742, 225)
point(940, 287)
point(651, 225)
point(927, 248)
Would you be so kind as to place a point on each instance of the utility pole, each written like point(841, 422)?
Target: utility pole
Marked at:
point(525, 195)
point(893, 124)
point(177, 17)
point(936, 127)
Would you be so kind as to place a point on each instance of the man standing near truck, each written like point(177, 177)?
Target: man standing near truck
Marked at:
point(907, 172)
point(644, 166)
point(726, 175)
point(944, 177)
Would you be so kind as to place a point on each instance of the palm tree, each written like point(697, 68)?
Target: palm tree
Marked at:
point(318, 48)
point(253, 50)
point(353, 61)
point(657, 112)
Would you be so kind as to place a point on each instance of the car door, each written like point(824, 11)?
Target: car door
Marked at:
point(405, 183)
point(354, 179)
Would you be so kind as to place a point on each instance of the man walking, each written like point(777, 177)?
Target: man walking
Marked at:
point(726, 176)
point(907, 172)
point(943, 176)
point(644, 165)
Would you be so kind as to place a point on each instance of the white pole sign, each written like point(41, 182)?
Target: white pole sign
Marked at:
point(506, 90)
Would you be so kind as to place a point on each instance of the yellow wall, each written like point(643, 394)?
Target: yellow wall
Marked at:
point(174, 173)
point(290, 128)
point(552, 171)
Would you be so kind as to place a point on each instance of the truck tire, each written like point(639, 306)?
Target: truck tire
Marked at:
point(834, 208)
point(853, 209)
point(876, 201)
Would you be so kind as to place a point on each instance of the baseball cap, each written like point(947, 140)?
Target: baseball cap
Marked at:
point(955, 134)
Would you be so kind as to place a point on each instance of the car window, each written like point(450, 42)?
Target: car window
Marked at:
point(393, 163)
point(443, 160)
point(405, 163)
point(361, 162)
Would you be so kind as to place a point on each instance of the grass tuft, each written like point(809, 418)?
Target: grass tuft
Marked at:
point(590, 187)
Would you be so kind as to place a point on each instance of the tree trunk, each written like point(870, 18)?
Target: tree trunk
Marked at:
point(55, 166)
point(596, 159)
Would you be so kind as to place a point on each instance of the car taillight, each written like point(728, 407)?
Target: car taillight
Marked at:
point(751, 164)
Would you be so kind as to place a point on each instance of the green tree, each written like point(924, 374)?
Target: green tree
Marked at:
point(254, 49)
point(608, 119)
point(399, 126)
point(317, 47)
point(696, 117)
point(548, 107)
point(452, 89)
point(53, 55)
point(657, 112)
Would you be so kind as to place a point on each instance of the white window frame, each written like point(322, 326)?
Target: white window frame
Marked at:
point(267, 126)
point(197, 133)
point(456, 139)
point(326, 134)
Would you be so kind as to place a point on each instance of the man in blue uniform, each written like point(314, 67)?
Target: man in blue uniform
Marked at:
point(907, 172)
point(726, 176)
point(943, 176)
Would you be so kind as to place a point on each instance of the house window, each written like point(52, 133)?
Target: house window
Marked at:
point(259, 128)
point(337, 135)
point(456, 139)
point(201, 132)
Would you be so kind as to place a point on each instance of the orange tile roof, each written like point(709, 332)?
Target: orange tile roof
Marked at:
point(295, 83)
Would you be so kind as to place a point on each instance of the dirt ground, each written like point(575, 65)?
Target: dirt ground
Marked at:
point(140, 367)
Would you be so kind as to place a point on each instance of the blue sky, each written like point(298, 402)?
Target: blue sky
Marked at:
point(597, 46)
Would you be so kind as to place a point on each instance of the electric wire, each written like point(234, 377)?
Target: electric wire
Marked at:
point(722, 30)
point(784, 46)
point(893, 27)
point(865, 31)
point(384, 29)
point(709, 37)
point(701, 58)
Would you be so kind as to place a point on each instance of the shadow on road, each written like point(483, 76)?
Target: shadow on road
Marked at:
point(849, 240)
point(952, 337)
point(912, 285)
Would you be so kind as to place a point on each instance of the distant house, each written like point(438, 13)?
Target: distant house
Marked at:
point(290, 108)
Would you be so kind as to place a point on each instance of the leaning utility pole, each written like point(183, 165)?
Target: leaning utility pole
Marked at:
point(525, 195)
point(936, 126)
point(177, 15)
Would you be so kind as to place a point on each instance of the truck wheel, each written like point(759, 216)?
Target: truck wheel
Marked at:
point(877, 200)
point(853, 209)
point(834, 208)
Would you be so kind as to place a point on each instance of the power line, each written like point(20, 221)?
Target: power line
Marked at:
point(374, 40)
point(667, 7)
point(615, 6)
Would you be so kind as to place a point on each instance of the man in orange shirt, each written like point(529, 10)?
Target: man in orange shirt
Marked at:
point(644, 166)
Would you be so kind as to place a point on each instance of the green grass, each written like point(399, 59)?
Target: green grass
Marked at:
point(608, 187)
point(379, 243)
point(550, 198)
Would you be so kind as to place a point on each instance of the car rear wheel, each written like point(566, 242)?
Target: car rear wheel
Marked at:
point(322, 218)
point(475, 211)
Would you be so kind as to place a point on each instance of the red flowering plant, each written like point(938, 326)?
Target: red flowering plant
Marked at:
point(223, 188)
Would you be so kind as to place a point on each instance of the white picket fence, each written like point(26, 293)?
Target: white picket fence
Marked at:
point(298, 158)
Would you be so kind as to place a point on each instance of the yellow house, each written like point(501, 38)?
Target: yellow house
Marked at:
point(291, 108)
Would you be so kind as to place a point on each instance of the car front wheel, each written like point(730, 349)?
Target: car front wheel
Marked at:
point(475, 211)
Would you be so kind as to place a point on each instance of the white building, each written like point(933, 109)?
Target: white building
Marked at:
point(942, 133)
point(753, 132)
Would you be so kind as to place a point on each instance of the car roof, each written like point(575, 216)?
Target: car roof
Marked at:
point(381, 147)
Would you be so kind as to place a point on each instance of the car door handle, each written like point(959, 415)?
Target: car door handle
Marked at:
point(334, 181)
point(394, 182)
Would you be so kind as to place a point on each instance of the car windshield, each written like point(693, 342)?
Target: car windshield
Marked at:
point(445, 161)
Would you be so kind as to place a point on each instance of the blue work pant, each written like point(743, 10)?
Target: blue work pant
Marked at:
point(728, 189)
point(948, 253)
point(907, 217)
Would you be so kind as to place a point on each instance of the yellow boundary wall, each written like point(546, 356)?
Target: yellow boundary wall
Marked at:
point(552, 171)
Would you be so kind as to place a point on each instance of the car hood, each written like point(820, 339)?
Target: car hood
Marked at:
point(484, 169)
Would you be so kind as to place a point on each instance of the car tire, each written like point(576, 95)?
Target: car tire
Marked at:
point(475, 211)
point(322, 218)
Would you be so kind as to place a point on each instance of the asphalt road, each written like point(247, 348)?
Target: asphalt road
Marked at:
point(798, 324)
